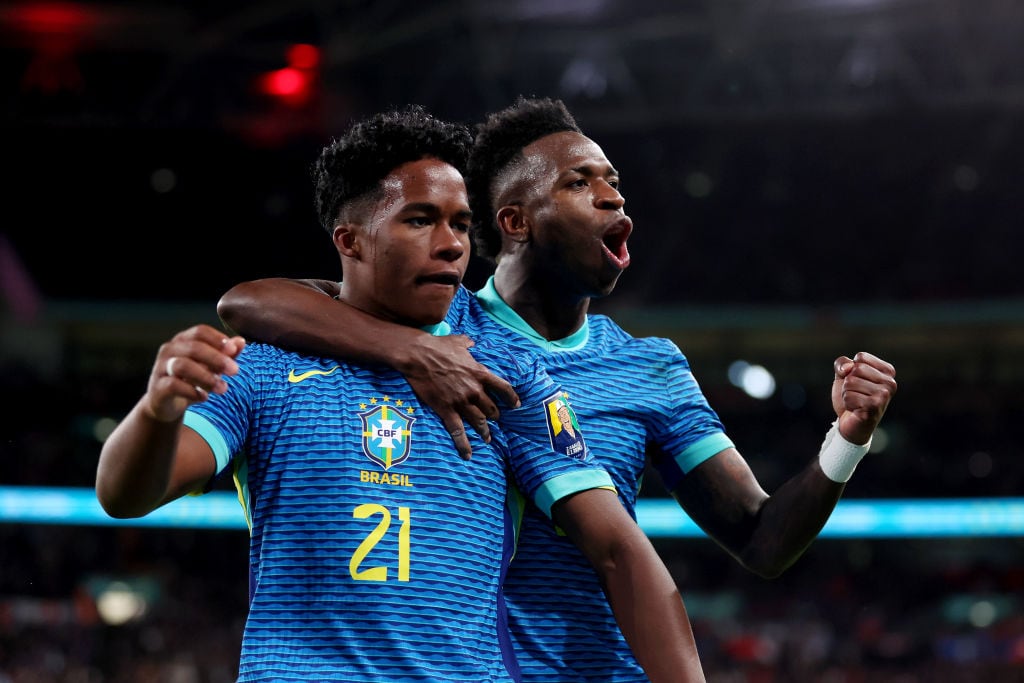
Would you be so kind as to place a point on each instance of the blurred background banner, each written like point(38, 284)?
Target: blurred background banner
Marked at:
point(807, 178)
point(659, 518)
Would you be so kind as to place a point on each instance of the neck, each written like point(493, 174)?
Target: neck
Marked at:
point(546, 304)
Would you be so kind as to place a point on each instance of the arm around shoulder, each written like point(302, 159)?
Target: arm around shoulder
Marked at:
point(296, 314)
point(268, 308)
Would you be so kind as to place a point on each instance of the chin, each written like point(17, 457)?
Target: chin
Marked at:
point(606, 287)
point(428, 314)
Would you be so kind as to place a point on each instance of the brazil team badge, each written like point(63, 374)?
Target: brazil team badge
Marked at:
point(387, 434)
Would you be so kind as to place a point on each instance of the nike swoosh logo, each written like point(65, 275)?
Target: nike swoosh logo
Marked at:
point(295, 379)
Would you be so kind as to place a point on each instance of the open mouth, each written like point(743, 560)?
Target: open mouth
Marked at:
point(614, 242)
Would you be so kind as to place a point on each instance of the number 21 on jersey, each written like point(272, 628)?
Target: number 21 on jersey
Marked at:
point(382, 528)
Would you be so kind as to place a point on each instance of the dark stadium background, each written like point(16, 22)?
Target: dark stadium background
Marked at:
point(808, 178)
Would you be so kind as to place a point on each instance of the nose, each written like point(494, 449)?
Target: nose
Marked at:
point(450, 243)
point(607, 197)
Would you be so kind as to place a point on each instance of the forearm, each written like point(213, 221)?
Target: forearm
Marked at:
point(303, 316)
point(789, 521)
point(651, 615)
point(765, 533)
point(793, 517)
point(135, 468)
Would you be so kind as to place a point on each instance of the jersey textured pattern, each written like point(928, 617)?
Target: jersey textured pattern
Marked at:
point(634, 398)
point(376, 553)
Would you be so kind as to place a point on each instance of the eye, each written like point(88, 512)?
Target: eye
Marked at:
point(461, 226)
point(421, 221)
point(615, 183)
point(579, 182)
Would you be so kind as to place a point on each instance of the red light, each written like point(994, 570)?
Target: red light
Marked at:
point(52, 19)
point(294, 84)
point(289, 84)
point(284, 82)
point(303, 56)
point(54, 31)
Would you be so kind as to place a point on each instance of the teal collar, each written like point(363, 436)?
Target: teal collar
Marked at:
point(441, 329)
point(496, 307)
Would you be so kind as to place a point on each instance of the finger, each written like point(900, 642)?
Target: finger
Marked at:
point(217, 357)
point(502, 391)
point(193, 392)
point(199, 337)
point(197, 374)
point(871, 360)
point(867, 399)
point(881, 374)
point(206, 334)
point(475, 418)
point(842, 366)
point(453, 424)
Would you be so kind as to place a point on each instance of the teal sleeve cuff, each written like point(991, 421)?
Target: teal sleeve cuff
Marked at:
point(567, 484)
point(212, 436)
point(702, 450)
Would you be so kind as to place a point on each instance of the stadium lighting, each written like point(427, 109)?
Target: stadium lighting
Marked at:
point(755, 380)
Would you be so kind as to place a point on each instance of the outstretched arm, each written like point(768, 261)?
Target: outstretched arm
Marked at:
point(641, 591)
point(296, 315)
point(150, 458)
point(768, 533)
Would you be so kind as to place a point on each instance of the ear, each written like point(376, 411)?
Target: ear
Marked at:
point(513, 224)
point(345, 241)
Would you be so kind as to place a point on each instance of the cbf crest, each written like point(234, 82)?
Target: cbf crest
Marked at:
point(387, 433)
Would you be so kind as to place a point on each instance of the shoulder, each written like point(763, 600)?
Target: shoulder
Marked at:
point(467, 316)
point(604, 330)
point(461, 305)
point(503, 359)
point(266, 359)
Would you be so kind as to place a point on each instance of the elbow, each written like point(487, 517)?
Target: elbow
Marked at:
point(227, 310)
point(764, 566)
point(767, 572)
point(114, 506)
point(117, 503)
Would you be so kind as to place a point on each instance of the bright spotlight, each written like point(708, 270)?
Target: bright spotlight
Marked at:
point(119, 603)
point(754, 380)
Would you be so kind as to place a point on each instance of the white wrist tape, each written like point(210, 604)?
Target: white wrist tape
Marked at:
point(838, 457)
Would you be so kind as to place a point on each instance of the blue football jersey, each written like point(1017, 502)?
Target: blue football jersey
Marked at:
point(635, 398)
point(377, 554)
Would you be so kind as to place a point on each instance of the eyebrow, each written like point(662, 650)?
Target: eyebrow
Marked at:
point(430, 207)
point(588, 170)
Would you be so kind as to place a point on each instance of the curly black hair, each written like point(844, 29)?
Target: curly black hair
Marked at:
point(352, 166)
point(500, 140)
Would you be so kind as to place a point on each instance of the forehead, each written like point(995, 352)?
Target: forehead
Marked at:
point(425, 181)
point(566, 150)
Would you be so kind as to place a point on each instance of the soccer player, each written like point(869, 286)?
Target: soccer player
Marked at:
point(376, 554)
point(550, 212)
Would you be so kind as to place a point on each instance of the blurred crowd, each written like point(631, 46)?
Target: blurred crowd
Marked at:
point(847, 612)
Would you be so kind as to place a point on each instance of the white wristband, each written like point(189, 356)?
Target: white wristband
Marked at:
point(838, 457)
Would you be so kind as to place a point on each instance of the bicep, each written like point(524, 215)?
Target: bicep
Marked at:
point(194, 465)
point(597, 523)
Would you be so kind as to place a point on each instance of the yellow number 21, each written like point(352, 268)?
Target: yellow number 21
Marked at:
point(374, 537)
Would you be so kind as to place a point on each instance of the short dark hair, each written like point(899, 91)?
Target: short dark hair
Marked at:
point(352, 166)
point(499, 140)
